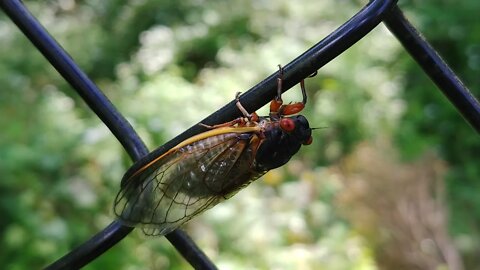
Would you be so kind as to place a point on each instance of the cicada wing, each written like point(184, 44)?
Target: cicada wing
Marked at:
point(182, 184)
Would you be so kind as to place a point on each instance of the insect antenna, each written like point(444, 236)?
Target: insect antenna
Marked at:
point(318, 128)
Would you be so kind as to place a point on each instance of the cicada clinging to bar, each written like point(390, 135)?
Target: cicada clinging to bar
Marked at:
point(211, 167)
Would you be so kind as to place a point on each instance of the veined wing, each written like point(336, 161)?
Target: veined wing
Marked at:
point(186, 182)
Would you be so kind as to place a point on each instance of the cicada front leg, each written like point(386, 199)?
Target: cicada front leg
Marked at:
point(252, 117)
point(248, 118)
point(277, 109)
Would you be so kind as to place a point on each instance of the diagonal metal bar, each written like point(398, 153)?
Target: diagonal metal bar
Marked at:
point(64, 64)
point(119, 126)
point(435, 67)
point(316, 57)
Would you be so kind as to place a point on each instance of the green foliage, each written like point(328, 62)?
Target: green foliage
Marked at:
point(61, 168)
point(430, 121)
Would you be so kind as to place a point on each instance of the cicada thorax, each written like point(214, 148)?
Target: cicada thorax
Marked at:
point(279, 144)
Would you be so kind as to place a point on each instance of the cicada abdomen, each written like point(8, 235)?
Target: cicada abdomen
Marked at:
point(210, 167)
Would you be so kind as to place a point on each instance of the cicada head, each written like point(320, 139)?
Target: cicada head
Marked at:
point(283, 138)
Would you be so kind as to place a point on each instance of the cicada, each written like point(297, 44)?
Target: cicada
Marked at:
point(212, 166)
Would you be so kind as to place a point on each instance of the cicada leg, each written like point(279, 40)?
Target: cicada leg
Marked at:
point(277, 108)
point(252, 117)
point(241, 121)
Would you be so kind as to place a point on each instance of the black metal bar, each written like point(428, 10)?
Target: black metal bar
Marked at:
point(91, 249)
point(435, 67)
point(64, 64)
point(190, 251)
point(119, 126)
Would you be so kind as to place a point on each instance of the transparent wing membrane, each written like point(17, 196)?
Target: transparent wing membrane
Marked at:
point(185, 183)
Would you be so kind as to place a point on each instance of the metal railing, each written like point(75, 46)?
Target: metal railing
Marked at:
point(337, 42)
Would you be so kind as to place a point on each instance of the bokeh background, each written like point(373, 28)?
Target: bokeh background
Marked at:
point(391, 182)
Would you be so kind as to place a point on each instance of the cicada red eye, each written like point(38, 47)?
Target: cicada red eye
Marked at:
point(287, 124)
